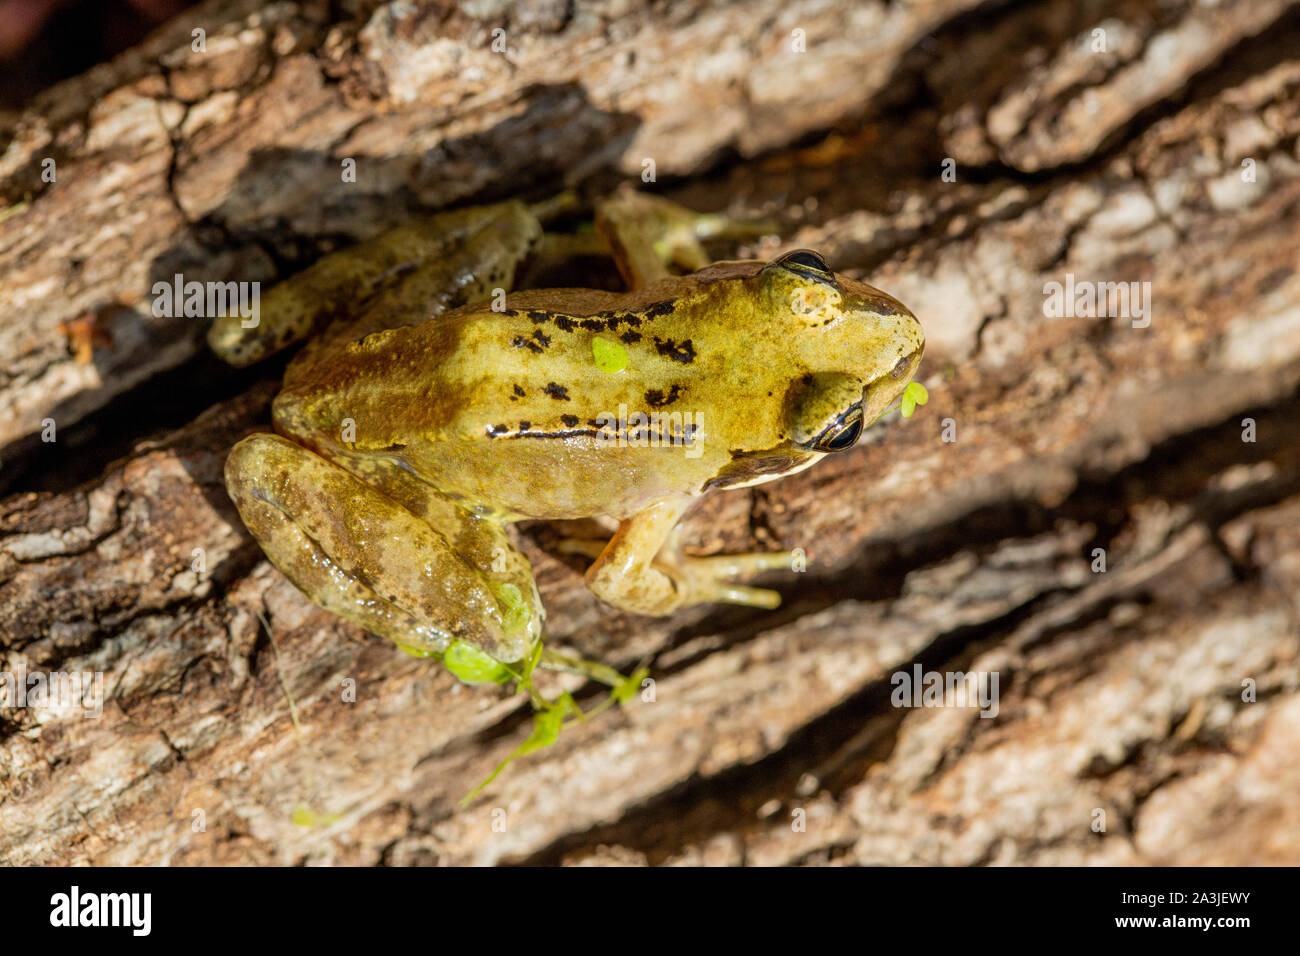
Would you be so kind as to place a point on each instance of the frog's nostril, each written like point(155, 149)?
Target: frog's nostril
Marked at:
point(901, 366)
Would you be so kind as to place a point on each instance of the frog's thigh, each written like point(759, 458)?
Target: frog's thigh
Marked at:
point(357, 553)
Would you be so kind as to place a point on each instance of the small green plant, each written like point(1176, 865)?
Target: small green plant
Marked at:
point(915, 394)
point(473, 666)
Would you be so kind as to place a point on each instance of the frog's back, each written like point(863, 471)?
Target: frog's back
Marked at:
point(476, 399)
point(475, 372)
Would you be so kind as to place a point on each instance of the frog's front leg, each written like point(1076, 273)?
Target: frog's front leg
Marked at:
point(421, 581)
point(647, 234)
point(642, 570)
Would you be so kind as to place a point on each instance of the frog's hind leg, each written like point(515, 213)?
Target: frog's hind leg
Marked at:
point(647, 234)
point(481, 263)
point(404, 276)
point(357, 552)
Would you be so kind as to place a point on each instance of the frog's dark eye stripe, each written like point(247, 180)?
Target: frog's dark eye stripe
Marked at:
point(806, 263)
point(842, 433)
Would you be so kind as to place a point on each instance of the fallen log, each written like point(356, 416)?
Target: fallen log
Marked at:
point(1146, 713)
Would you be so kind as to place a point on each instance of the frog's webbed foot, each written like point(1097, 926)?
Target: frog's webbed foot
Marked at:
point(704, 580)
point(708, 580)
point(642, 568)
point(648, 234)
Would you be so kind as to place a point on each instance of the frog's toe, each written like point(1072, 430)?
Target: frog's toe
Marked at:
point(735, 565)
point(741, 594)
point(708, 579)
point(705, 580)
point(587, 547)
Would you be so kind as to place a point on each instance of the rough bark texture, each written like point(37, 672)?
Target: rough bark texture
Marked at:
point(771, 737)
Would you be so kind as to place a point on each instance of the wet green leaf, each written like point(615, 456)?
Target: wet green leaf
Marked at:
point(915, 394)
point(547, 724)
point(610, 356)
point(474, 666)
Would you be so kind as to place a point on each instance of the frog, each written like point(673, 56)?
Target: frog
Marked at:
point(432, 405)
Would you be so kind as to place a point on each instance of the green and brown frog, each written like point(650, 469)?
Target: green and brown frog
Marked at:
point(432, 407)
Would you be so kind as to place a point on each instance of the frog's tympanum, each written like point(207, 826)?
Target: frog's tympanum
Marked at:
point(430, 409)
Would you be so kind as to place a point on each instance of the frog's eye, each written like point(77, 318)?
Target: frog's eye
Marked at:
point(805, 262)
point(804, 259)
point(842, 433)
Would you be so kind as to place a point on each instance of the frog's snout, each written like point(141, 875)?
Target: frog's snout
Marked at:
point(881, 394)
point(908, 344)
point(911, 339)
point(906, 366)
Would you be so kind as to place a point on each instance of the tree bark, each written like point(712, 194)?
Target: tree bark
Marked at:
point(1148, 713)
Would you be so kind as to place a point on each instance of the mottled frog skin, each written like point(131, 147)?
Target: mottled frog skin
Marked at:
point(432, 408)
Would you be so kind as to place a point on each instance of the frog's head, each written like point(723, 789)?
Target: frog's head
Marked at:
point(859, 346)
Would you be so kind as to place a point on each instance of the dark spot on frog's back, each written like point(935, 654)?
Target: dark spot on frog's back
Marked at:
point(569, 420)
point(520, 342)
point(657, 399)
point(683, 352)
point(557, 392)
point(610, 319)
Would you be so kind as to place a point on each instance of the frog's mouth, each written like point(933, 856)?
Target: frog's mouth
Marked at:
point(757, 467)
point(881, 394)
